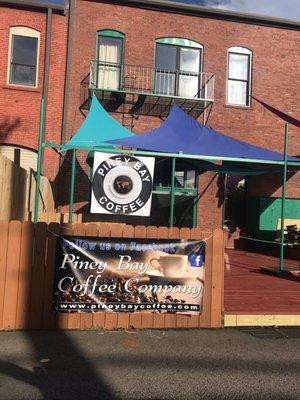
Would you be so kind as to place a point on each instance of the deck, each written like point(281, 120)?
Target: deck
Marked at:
point(249, 291)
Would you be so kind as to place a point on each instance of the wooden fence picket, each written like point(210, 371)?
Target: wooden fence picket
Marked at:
point(38, 276)
point(49, 317)
point(24, 279)
point(4, 229)
point(12, 275)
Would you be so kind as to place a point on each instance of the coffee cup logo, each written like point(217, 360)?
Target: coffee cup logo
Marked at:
point(171, 266)
point(122, 184)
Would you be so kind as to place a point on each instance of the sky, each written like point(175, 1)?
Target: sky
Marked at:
point(288, 9)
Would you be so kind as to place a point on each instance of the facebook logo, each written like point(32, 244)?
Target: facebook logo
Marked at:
point(196, 260)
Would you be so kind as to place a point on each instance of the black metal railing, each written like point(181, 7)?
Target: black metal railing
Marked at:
point(148, 80)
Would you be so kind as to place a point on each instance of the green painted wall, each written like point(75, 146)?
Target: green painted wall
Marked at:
point(270, 212)
point(263, 214)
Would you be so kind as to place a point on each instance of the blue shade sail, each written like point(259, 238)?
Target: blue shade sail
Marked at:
point(180, 133)
point(97, 129)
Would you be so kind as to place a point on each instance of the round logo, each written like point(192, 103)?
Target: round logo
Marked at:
point(122, 184)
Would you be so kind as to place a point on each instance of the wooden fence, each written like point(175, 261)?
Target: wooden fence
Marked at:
point(49, 217)
point(13, 190)
point(27, 263)
point(17, 191)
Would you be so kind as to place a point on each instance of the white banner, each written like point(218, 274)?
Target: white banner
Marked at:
point(122, 184)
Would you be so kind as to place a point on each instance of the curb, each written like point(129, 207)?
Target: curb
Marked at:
point(232, 320)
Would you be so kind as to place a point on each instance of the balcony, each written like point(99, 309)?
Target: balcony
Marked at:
point(144, 90)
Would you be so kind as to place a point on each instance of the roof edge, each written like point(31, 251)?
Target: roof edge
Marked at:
point(41, 4)
point(211, 12)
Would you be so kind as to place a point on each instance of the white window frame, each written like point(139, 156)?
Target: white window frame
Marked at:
point(182, 43)
point(240, 50)
point(27, 32)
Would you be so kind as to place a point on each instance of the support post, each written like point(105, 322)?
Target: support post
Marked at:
point(283, 195)
point(172, 195)
point(72, 186)
point(39, 161)
point(225, 180)
point(195, 206)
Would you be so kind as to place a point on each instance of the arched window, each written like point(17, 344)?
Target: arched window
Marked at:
point(178, 67)
point(23, 56)
point(239, 76)
point(109, 56)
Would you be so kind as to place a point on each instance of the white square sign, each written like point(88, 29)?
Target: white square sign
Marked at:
point(122, 184)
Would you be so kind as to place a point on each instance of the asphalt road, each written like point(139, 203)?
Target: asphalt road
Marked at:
point(196, 364)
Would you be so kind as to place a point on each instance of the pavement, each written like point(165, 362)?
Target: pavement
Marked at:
point(154, 364)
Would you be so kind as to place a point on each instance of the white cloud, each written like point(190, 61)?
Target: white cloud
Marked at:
point(276, 8)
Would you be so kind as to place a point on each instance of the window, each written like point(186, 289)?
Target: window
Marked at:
point(23, 56)
point(239, 76)
point(184, 210)
point(109, 59)
point(177, 67)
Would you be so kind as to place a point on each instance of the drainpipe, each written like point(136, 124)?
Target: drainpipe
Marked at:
point(67, 74)
point(225, 180)
point(47, 54)
point(43, 113)
point(283, 198)
point(46, 77)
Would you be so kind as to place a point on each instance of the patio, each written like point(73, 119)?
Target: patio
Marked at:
point(249, 291)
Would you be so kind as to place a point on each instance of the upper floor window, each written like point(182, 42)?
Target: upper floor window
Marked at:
point(239, 76)
point(109, 59)
point(23, 56)
point(177, 67)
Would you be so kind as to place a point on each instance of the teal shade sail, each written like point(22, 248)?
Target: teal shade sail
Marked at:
point(96, 129)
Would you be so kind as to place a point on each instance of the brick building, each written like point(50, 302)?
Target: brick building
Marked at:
point(40, 28)
point(139, 57)
point(184, 48)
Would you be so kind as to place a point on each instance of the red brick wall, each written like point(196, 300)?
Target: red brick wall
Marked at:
point(275, 78)
point(19, 106)
point(210, 205)
point(271, 185)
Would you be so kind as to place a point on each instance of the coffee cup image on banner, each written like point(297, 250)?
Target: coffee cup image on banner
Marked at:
point(173, 268)
point(122, 184)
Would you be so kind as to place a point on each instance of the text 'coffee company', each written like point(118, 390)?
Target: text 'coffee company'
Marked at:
point(122, 184)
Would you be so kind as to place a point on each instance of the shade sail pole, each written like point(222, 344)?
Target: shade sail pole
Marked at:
point(39, 161)
point(283, 195)
point(72, 186)
point(172, 194)
point(195, 208)
point(225, 180)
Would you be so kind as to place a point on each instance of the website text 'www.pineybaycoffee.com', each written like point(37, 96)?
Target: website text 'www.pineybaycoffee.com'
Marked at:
point(73, 306)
